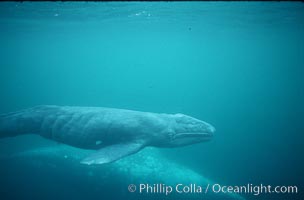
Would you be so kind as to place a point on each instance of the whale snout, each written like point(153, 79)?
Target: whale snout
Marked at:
point(209, 132)
point(205, 128)
point(210, 129)
point(189, 130)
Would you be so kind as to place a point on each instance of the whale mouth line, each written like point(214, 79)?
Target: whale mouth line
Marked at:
point(194, 134)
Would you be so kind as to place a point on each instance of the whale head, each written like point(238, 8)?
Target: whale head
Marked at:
point(186, 130)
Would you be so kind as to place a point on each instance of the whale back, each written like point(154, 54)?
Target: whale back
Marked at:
point(83, 127)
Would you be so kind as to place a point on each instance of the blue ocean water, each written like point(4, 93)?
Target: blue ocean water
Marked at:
point(236, 65)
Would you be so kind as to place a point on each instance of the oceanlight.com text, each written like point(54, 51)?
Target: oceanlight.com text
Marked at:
point(216, 188)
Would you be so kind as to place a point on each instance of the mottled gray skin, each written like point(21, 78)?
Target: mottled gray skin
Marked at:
point(96, 127)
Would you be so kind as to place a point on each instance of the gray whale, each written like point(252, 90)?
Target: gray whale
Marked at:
point(114, 133)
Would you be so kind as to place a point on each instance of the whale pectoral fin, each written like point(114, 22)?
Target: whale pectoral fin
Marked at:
point(112, 153)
